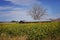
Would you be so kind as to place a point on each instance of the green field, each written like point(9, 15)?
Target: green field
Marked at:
point(30, 31)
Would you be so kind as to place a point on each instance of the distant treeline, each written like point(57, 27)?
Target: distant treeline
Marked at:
point(29, 22)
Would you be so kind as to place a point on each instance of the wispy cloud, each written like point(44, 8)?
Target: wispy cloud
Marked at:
point(14, 14)
point(23, 2)
point(5, 7)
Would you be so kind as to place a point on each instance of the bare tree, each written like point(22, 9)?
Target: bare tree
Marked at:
point(57, 19)
point(37, 12)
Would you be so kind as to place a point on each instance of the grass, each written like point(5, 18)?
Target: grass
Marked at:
point(30, 31)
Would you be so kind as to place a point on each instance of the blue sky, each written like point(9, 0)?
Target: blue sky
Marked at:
point(18, 9)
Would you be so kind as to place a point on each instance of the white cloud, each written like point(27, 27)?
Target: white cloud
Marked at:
point(23, 2)
point(15, 14)
point(5, 7)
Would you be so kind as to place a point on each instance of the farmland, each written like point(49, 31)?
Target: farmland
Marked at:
point(30, 31)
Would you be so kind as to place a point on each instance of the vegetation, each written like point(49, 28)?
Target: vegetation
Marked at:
point(30, 31)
